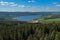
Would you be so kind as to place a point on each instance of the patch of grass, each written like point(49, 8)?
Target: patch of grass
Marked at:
point(48, 20)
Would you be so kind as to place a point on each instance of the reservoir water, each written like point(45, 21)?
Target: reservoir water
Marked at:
point(22, 15)
point(24, 18)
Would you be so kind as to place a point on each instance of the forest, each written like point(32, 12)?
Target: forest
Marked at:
point(29, 31)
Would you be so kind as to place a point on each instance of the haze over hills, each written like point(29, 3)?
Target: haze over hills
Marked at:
point(11, 15)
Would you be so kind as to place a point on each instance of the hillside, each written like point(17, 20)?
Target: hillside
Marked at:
point(15, 30)
point(48, 28)
point(54, 17)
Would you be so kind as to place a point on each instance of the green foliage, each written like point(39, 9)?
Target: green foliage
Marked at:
point(29, 31)
point(57, 36)
point(54, 17)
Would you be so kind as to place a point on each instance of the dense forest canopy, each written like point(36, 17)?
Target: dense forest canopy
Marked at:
point(29, 31)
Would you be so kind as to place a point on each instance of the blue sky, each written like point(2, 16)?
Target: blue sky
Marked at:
point(30, 5)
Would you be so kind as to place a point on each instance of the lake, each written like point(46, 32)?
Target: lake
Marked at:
point(22, 15)
point(24, 18)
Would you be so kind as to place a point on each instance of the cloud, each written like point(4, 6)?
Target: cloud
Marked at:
point(3, 3)
point(22, 6)
point(13, 4)
point(8, 3)
point(31, 1)
point(58, 5)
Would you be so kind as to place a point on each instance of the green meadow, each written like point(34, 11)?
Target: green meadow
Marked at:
point(54, 17)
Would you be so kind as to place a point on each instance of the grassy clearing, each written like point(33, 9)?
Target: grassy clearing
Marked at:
point(49, 20)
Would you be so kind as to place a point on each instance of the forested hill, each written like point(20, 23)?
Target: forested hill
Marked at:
point(24, 13)
point(16, 30)
point(29, 31)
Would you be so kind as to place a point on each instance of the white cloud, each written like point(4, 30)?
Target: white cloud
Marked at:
point(3, 3)
point(31, 1)
point(22, 6)
point(58, 5)
point(8, 3)
point(13, 5)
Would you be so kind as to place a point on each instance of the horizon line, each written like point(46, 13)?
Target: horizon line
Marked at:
point(27, 11)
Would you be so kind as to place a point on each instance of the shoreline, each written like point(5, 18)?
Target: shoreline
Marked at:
point(27, 21)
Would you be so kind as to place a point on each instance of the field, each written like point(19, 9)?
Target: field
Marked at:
point(49, 20)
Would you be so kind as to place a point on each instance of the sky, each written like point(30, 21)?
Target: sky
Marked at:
point(30, 5)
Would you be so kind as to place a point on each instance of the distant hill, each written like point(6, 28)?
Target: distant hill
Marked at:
point(45, 15)
point(10, 15)
point(54, 17)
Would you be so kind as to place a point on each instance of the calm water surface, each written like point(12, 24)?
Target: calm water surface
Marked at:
point(27, 17)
